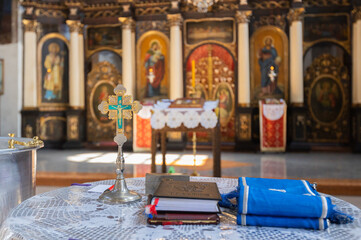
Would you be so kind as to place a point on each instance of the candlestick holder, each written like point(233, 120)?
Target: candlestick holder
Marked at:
point(193, 94)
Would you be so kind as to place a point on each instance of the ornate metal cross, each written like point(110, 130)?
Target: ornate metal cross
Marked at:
point(120, 107)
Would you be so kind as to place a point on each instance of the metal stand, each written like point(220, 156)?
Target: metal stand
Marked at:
point(194, 140)
point(120, 193)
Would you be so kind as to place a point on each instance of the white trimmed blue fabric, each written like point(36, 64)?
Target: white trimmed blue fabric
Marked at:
point(282, 203)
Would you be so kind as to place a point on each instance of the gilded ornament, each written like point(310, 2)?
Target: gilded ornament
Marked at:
point(175, 19)
point(174, 5)
point(72, 128)
point(30, 25)
point(243, 16)
point(356, 13)
point(35, 142)
point(296, 14)
point(120, 107)
point(270, 4)
point(324, 3)
point(127, 22)
point(74, 26)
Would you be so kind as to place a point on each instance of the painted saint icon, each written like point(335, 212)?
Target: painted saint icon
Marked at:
point(155, 68)
point(53, 79)
point(100, 93)
point(269, 64)
point(326, 99)
point(224, 94)
point(269, 61)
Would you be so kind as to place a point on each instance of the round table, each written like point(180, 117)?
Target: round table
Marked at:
point(74, 213)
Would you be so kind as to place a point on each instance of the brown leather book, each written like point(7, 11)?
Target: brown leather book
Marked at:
point(193, 190)
point(184, 218)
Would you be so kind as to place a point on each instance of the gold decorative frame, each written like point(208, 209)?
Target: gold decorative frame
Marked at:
point(338, 81)
point(43, 121)
point(49, 106)
point(139, 63)
point(244, 127)
point(111, 123)
point(344, 44)
point(2, 76)
point(285, 59)
point(189, 47)
point(88, 52)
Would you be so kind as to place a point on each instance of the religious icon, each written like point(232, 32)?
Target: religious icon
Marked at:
point(53, 69)
point(101, 93)
point(104, 37)
point(224, 95)
point(268, 61)
point(154, 65)
point(54, 64)
point(326, 99)
point(269, 64)
point(326, 26)
point(205, 30)
point(101, 80)
point(153, 73)
point(201, 92)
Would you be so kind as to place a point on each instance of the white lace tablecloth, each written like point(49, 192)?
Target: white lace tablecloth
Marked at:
point(74, 213)
point(189, 117)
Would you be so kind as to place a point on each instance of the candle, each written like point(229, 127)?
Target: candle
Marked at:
point(193, 74)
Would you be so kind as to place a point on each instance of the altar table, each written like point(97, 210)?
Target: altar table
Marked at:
point(74, 213)
point(203, 119)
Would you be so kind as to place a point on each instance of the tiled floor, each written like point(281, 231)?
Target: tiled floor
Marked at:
point(282, 165)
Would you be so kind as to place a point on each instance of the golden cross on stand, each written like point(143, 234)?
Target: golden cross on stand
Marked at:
point(120, 107)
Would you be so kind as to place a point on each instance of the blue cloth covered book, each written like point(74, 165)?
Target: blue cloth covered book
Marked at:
point(282, 203)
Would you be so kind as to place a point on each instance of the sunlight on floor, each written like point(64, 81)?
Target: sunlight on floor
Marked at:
point(140, 158)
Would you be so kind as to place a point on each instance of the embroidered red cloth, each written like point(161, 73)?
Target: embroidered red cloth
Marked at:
point(142, 130)
point(272, 125)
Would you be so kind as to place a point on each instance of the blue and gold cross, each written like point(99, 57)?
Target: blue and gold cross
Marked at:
point(120, 107)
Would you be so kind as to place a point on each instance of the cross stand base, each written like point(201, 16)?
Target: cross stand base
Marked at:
point(119, 194)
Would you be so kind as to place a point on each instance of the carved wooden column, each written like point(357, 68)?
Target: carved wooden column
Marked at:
point(356, 78)
point(176, 56)
point(30, 93)
point(127, 58)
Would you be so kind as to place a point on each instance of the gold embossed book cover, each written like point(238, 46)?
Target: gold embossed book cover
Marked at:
point(194, 190)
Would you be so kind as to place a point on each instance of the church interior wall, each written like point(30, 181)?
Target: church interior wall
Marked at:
point(269, 26)
point(12, 54)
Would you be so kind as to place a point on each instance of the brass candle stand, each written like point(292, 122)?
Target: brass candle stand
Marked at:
point(193, 94)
